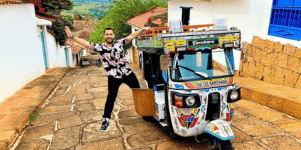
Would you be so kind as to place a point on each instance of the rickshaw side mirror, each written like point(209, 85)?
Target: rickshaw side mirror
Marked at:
point(164, 62)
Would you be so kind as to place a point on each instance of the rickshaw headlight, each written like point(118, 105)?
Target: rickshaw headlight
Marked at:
point(234, 95)
point(190, 101)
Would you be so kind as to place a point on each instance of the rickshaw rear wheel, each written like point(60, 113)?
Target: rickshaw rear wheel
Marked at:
point(171, 132)
point(140, 62)
point(147, 118)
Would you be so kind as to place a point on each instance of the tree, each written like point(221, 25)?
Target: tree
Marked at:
point(119, 13)
point(68, 17)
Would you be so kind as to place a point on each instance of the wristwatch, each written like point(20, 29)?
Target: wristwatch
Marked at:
point(72, 37)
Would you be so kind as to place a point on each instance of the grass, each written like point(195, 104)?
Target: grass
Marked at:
point(34, 116)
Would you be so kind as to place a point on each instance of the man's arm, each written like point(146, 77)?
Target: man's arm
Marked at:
point(82, 42)
point(77, 40)
point(136, 34)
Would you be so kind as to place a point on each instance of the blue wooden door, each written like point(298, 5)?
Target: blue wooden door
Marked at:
point(44, 48)
point(66, 54)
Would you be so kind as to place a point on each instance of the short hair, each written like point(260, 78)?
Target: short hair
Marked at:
point(104, 31)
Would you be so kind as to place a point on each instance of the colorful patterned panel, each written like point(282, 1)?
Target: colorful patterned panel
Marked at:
point(226, 39)
point(202, 43)
point(208, 83)
point(171, 44)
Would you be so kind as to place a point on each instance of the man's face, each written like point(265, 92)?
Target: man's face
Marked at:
point(109, 36)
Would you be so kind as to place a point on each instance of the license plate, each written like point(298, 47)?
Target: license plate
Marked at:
point(181, 49)
point(228, 45)
point(85, 62)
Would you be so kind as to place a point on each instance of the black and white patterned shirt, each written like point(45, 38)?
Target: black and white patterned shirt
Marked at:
point(113, 58)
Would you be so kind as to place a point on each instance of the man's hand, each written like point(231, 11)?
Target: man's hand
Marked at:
point(68, 32)
point(70, 42)
point(136, 34)
point(145, 28)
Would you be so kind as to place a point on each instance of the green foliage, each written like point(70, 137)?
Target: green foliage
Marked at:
point(58, 28)
point(120, 12)
point(68, 17)
point(33, 116)
point(52, 6)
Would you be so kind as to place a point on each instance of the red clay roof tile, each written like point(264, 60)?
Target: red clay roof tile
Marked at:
point(140, 19)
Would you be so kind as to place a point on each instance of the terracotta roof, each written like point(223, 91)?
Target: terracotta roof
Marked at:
point(140, 19)
point(5, 2)
point(51, 18)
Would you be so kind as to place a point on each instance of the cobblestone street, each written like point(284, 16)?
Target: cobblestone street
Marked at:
point(71, 118)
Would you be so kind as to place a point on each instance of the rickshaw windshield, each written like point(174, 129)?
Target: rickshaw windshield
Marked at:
point(200, 65)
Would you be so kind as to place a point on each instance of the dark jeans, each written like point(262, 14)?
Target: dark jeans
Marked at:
point(113, 86)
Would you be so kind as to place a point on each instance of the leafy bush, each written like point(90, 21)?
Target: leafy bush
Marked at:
point(58, 28)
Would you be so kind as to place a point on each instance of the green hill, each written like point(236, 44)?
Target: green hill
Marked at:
point(96, 8)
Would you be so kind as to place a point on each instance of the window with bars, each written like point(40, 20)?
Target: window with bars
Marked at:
point(286, 19)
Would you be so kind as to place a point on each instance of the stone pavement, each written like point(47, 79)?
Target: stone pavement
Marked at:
point(16, 110)
point(71, 118)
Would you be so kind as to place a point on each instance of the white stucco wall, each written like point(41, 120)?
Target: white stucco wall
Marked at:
point(55, 53)
point(20, 47)
point(134, 41)
point(72, 58)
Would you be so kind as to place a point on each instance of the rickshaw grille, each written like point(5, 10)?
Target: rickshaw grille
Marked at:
point(213, 107)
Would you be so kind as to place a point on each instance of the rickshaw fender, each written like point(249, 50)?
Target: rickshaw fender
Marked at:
point(219, 129)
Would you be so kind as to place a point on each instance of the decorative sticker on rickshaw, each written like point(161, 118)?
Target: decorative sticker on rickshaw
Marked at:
point(188, 121)
point(172, 44)
point(214, 127)
point(208, 83)
point(187, 117)
point(179, 86)
point(230, 112)
point(203, 108)
point(223, 105)
point(156, 114)
point(202, 43)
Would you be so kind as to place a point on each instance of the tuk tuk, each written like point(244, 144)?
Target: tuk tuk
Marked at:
point(188, 81)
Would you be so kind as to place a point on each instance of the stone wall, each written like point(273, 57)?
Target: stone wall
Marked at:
point(272, 62)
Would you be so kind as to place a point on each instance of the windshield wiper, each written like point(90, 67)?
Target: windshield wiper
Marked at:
point(194, 72)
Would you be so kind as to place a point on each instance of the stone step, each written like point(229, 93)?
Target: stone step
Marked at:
point(281, 98)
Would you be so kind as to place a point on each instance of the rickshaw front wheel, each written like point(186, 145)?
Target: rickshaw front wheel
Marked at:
point(224, 145)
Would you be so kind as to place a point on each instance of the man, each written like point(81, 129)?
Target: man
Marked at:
point(115, 65)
